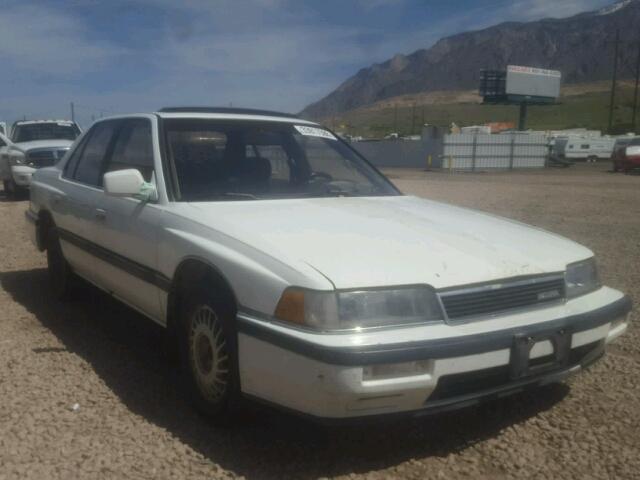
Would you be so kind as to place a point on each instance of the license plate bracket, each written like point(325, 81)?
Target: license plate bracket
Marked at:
point(520, 363)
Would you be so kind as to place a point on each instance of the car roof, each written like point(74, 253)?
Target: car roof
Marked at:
point(623, 140)
point(242, 111)
point(229, 113)
point(28, 122)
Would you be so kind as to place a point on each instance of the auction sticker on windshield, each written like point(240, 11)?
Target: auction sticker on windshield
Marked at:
point(314, 132)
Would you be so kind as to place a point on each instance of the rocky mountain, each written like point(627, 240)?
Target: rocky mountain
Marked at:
point(580, 46)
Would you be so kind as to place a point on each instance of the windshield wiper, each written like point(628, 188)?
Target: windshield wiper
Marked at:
point(338, 193)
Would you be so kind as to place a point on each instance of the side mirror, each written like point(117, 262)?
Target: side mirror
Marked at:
point(127, 183)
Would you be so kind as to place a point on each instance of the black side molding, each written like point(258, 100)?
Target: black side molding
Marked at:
point(131, 267)
point(431, 349)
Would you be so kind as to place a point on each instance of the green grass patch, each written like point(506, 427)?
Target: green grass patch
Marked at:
point(589, 110)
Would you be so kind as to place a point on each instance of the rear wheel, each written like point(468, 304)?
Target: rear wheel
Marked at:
point(62, 280)
point(208, 348)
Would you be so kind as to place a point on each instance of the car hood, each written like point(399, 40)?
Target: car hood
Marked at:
point(26, 146)
point(376, 241)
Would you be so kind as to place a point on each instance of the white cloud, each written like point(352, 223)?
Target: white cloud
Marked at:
point(41, 40)
point(535, 9)
point(279, 54)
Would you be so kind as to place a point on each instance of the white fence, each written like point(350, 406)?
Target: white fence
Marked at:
point(505, 151)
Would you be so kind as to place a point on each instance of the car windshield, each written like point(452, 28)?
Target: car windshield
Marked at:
point(239, 160)
point(45, 131)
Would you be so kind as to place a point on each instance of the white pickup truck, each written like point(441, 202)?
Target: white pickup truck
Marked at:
point(287, 269)
point(33, 144)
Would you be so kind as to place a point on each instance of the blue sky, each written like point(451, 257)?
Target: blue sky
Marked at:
point(116, 56)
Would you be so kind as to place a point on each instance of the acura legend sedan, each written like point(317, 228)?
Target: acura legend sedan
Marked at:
point(288, 270)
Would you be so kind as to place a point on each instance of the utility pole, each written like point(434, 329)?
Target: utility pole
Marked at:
point(413, 118)
point(73, 113)
point(613, 79)
point(395, 118)
point(522, 120)
point(635, 92)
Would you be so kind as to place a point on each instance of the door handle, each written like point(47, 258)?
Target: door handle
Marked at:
point(100, 214)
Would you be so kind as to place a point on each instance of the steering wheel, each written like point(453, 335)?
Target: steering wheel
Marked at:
point(319, 175)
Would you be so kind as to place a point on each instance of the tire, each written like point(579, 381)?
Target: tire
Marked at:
point(209, 358)
point(62, 280)
point(10, 188)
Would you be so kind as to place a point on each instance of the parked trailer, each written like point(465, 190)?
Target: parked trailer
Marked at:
point(580, 148)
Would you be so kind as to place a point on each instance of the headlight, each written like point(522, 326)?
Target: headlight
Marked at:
point(581, 278)
point(17, 158)
point(355, 309)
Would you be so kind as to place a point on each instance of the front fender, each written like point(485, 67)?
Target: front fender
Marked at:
point(256, 278)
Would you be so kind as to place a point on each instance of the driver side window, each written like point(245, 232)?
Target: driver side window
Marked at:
point(278, 159)
point(133, 149)
point(89, 164)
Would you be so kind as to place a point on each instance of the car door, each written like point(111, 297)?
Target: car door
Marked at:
point(75, 202)
point(128, 227)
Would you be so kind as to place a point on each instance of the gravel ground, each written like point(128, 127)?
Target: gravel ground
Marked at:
point(86, 392)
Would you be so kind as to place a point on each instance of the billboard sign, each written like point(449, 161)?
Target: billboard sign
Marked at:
point(534, 83)
point(519, 85)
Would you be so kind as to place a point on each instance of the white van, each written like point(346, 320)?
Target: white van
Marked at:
point(583, 148)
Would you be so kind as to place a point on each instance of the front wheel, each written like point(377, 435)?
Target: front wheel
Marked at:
point(62, 280)
point(208, 347)
point(10, 188)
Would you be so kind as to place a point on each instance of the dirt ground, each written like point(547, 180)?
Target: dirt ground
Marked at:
point(130, 420)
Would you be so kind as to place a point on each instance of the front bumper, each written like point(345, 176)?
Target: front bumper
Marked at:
point(419, 369)
point(22, 174)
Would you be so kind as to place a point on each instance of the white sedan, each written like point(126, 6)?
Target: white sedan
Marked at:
point(290, 271)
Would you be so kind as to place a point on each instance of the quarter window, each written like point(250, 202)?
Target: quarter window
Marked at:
point(90, 163)
point(133, 149)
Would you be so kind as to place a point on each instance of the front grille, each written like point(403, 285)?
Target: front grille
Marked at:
point(45, 158)
point(499, 297)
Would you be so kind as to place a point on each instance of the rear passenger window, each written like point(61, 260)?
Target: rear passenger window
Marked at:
point(90, 163)
point(133, 149)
